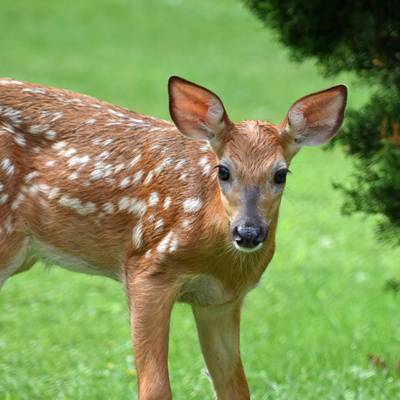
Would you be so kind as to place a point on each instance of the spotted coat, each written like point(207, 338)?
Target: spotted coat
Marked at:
point(76, 172)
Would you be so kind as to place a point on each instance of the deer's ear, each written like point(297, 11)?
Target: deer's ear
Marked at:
point(315, 119)
point(197, 112)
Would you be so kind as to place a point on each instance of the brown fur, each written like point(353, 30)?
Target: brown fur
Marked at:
point(72, 185)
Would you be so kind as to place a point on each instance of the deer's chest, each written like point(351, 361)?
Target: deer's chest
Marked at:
point(204, 290)
point(208, 290)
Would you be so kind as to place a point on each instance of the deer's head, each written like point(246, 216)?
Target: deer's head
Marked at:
point(254, 156)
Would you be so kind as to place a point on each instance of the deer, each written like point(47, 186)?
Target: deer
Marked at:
point(182, 211)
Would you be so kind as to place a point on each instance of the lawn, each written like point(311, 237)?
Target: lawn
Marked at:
point(321, 307)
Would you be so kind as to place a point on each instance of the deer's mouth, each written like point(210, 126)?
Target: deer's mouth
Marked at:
point(249, 237)
point(247, 249)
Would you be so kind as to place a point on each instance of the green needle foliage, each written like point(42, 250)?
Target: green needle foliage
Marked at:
point(362, 37)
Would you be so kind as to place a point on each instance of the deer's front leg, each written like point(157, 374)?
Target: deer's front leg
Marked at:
point(219, 334)
point(151, 299)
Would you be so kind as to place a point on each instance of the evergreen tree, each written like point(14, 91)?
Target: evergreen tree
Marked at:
point(362, 37)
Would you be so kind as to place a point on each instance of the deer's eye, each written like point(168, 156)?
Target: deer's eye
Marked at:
point(280, 176)
point(223, 173)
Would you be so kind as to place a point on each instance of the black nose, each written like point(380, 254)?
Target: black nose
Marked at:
point(249, 236)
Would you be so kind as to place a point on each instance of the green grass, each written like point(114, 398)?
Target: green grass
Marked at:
point(321, 307)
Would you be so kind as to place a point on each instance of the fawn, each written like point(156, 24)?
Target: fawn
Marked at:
point(176, 212)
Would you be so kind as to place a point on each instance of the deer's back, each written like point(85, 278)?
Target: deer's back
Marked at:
point(94, 181)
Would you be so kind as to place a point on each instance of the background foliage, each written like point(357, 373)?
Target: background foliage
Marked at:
point(322, 306)
point(361, 37)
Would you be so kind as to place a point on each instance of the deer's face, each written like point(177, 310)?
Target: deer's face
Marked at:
point(254, 156)
point(252, 173)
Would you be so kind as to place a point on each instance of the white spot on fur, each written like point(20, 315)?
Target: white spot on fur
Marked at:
point(8, 128)
point(108, 208)
point(43, 187)
point(107, 142)
point(173, 245)
point(50, 163)
point(163, 245)
point(192, 205)
point(59, 145)
point(180, 164)
point(53, 193)
point(76, 101)
point(13, 115)
point(158, 169)
point(56, 116)
point(125, 183)
point(34, 189)
point(154, 199)
point(34, 90)
point(207, 170)
point(31, 175)
point(203, 161)
point(154, 129)
point(79, 160)
point(102, 170)
point(91, 121)
point(118, 168)
point(133, 206)
point(10, 82)
point(51, 135)
point(162, 165)
point(186, 223)
point(18, 200)
point(149, 178)
point(205, 148)
point(38, 129)
point(3, 198)
point(44, 113)
point(124, 203)
point(75, 204)
point(137, 207)
point(137, 177)
point(74, 176)
point(167, 202)
point(137, 235)
point(134, 161)
point(104, 155)
point(20, 140)
point(97, 174)
point(158, 226)
point(117, 113)
point(114, 122)
point(69, 152)
point(8, 166)
point(88, 208)
point(136, 121)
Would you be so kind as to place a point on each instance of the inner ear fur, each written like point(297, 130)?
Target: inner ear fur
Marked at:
point(196, 111)
point(315, 119)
